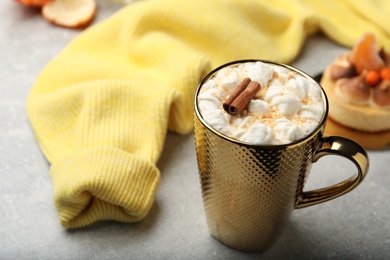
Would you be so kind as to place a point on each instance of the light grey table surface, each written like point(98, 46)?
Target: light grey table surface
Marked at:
point(355, 226)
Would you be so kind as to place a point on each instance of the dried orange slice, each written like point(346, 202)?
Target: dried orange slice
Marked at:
point(365, 54)
point(35, 3)
point(70, 13)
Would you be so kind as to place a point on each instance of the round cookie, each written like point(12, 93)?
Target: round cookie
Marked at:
point(358, 89)
point(364, 117)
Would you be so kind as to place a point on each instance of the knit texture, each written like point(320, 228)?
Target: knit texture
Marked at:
point(101, 109)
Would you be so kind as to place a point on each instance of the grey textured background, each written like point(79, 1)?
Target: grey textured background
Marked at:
point(354, 226)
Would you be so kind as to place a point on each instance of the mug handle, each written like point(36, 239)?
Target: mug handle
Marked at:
point(335, 145)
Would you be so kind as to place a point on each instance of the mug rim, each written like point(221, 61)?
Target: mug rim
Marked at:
point(319, 127)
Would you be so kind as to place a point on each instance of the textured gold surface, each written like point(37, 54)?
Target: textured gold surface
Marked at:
point(249, 192)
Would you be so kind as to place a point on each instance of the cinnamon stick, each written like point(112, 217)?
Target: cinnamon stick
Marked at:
point(236, 92)
point(244, 98)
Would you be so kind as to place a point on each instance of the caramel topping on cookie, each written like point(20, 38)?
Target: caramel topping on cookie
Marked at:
point(342, 67)
point(353, 90)
point(385, 57)
point(339, 72)
point(381, 94)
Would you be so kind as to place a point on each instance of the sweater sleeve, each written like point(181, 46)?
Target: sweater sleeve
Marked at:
point(100, 110)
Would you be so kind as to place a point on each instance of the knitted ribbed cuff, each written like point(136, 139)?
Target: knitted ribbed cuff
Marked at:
point(103, 183)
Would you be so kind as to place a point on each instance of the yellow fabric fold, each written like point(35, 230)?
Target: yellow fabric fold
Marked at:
point(102, 178)
point(101, 109)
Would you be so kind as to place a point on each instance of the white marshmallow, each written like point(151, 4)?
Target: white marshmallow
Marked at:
point(258, 134)
point(287, 108)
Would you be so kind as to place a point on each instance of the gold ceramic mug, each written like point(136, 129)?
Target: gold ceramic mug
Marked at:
point(249, 191)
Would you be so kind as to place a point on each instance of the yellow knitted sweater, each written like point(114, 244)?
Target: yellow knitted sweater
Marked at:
point(101, 109)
